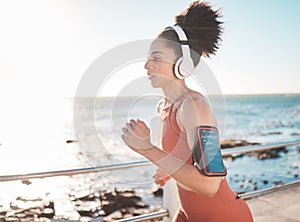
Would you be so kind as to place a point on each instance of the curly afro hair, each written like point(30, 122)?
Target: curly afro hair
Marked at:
point(202, 27)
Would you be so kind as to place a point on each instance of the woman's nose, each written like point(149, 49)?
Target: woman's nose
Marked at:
point(147, 65)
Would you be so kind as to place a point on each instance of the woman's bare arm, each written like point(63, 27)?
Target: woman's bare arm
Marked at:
point(137, 136)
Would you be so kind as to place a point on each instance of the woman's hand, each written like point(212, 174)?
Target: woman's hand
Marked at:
point(136, 135)
point(160, 178)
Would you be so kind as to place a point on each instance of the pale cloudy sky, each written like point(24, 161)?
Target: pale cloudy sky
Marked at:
point(47, 45)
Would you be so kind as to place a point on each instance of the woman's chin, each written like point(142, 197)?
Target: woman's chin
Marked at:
point(154, 83)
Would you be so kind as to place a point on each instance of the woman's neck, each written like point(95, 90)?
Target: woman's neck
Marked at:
point(174, 91)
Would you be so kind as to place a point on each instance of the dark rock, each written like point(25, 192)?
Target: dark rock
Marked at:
point(105, 203)
point(48, 213)
point(33, 212)
point(29, 198)
point(248, 180)
point(49, 204)
point(108, 207)
point(137, 212)
point(71, 141)
point(84, 195)
point(266, 154)
point(269, 154)
point(157, 192)
point(88, 208)
point(29, 209)
point(117, 215)
point(274, 133)
point(230, 143)
point(27, 182)
point(2, 212)
point(277, 183)
point(11, 219)
point(27, 219)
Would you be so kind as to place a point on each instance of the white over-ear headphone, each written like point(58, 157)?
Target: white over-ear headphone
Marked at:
point(184, 66)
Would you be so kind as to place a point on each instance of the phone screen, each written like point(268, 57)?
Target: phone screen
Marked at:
point(209, 156)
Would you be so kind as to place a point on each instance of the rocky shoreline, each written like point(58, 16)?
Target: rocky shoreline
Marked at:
point(114, 204)
point(261, 155)
point(106, 206)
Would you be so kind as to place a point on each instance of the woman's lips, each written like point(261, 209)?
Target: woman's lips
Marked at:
point(150, 76)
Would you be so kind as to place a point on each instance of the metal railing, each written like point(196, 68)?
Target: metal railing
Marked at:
point(73, 171)
point(225, 152)
point(150, 216)
point(163, 212)
point(257, 148)
point(258, 193)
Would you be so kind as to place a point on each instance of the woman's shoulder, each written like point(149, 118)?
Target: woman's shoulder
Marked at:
point(196, 109)
point(194, 99)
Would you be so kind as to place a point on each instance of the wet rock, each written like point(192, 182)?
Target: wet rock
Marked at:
point(277, 183)
point(48, 213)
point(11, 219)
point(28, 209)
point(71, 141)
point(230, 143)
point(271, 133)
point(137, 212)
point(106, 203)
point(89, 208)
point(261, 155)
point(29, 198)
point(26, 182)
point(254, 187)
point(87, 219)
point(83, 195)
point(269, 154)
point(117, 215)
point(120, 199)
point(2, 212)
point(158, 192)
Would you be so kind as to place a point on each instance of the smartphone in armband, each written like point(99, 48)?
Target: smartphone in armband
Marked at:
point(207, 152)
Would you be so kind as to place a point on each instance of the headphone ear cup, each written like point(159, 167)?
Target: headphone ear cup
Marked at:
point(176, 68)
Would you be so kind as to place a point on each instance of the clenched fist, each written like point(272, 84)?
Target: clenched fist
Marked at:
point(136, 134)
point(160, 178)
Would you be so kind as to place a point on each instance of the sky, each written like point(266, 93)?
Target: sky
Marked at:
point(47, 45)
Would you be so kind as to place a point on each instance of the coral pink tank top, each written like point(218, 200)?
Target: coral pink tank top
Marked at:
point(224, 205)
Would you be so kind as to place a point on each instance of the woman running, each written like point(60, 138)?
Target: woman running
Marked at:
point(204, 195)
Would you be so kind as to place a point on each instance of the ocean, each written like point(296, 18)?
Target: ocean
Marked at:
point(37, 136)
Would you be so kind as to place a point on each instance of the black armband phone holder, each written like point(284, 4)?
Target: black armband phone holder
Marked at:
point(206, 154)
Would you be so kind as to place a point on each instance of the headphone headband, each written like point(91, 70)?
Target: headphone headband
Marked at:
point(184, 66)
point(180, 33)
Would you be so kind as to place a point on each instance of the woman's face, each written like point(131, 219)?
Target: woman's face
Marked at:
point(160, 64)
